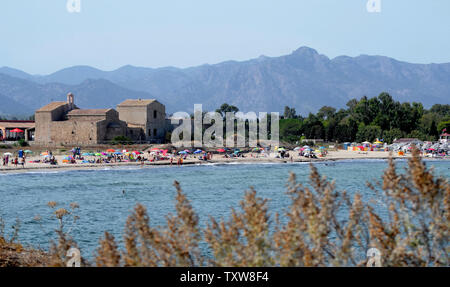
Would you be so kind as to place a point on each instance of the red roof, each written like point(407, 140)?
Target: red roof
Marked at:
point(445, 135)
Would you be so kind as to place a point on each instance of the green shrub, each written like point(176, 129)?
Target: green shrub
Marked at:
point(22, 142)
point(121, 140)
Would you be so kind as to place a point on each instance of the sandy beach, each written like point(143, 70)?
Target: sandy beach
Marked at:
point(192, 159)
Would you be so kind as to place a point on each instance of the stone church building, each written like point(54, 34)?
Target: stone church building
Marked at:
point(64, 123)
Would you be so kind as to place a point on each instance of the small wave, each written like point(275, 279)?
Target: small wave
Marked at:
point(33, 172)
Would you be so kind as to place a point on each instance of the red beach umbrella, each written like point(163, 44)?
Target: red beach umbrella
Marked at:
point(17, 131)
point(221, 150)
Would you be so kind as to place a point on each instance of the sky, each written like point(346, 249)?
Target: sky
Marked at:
point(42, 36)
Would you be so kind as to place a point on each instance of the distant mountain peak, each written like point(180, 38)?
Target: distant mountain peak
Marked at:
point(305, 51)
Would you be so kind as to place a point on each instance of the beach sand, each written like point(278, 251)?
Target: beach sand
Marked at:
point(217, 158)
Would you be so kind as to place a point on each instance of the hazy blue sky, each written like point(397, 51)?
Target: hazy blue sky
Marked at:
point(41, 36)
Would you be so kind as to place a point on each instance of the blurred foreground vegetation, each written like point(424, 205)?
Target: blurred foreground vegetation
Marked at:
point(321, 227)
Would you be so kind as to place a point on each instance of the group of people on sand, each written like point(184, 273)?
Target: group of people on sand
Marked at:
point(19, 159)
point(50, 158)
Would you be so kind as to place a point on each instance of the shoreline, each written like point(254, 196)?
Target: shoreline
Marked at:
point(334, 156)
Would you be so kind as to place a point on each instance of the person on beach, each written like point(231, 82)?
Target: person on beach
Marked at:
point(16, 161)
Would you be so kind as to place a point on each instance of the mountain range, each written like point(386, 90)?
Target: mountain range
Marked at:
point(304, 79)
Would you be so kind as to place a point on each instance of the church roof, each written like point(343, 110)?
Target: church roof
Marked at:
point(51, 106)
point(88, 112)
point(138, 102)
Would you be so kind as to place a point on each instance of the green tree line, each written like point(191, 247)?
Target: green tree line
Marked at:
point(367, 119)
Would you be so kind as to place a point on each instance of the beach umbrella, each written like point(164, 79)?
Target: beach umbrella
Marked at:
point(104, 153)
point(322, 147)
point(198, 151)
point(256, 149)
point(220, 150)
point(281, 149)
point(85, 154)
point(117, 152)
point(136, 152)
point(16, 131)
point(187, 151)
point(306, 146)
point(98, 154)
point(44, 153)
point(28, 151)
point(155, 149)
point(125, 150)
point(297, 148)
point(110, 150)
point(182, 152)
point(8, 153)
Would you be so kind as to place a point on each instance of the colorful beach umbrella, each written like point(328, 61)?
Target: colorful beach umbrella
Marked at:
point(198, 151)
point(182, 152)
point(8, 154)
point(16, 131)
point(28, 151)
point(110, 150)
point(220, 150)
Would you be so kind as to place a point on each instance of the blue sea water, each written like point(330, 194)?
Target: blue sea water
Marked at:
point(212, 189)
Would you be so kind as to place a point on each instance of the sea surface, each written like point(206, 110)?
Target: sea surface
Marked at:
point(106, 197)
